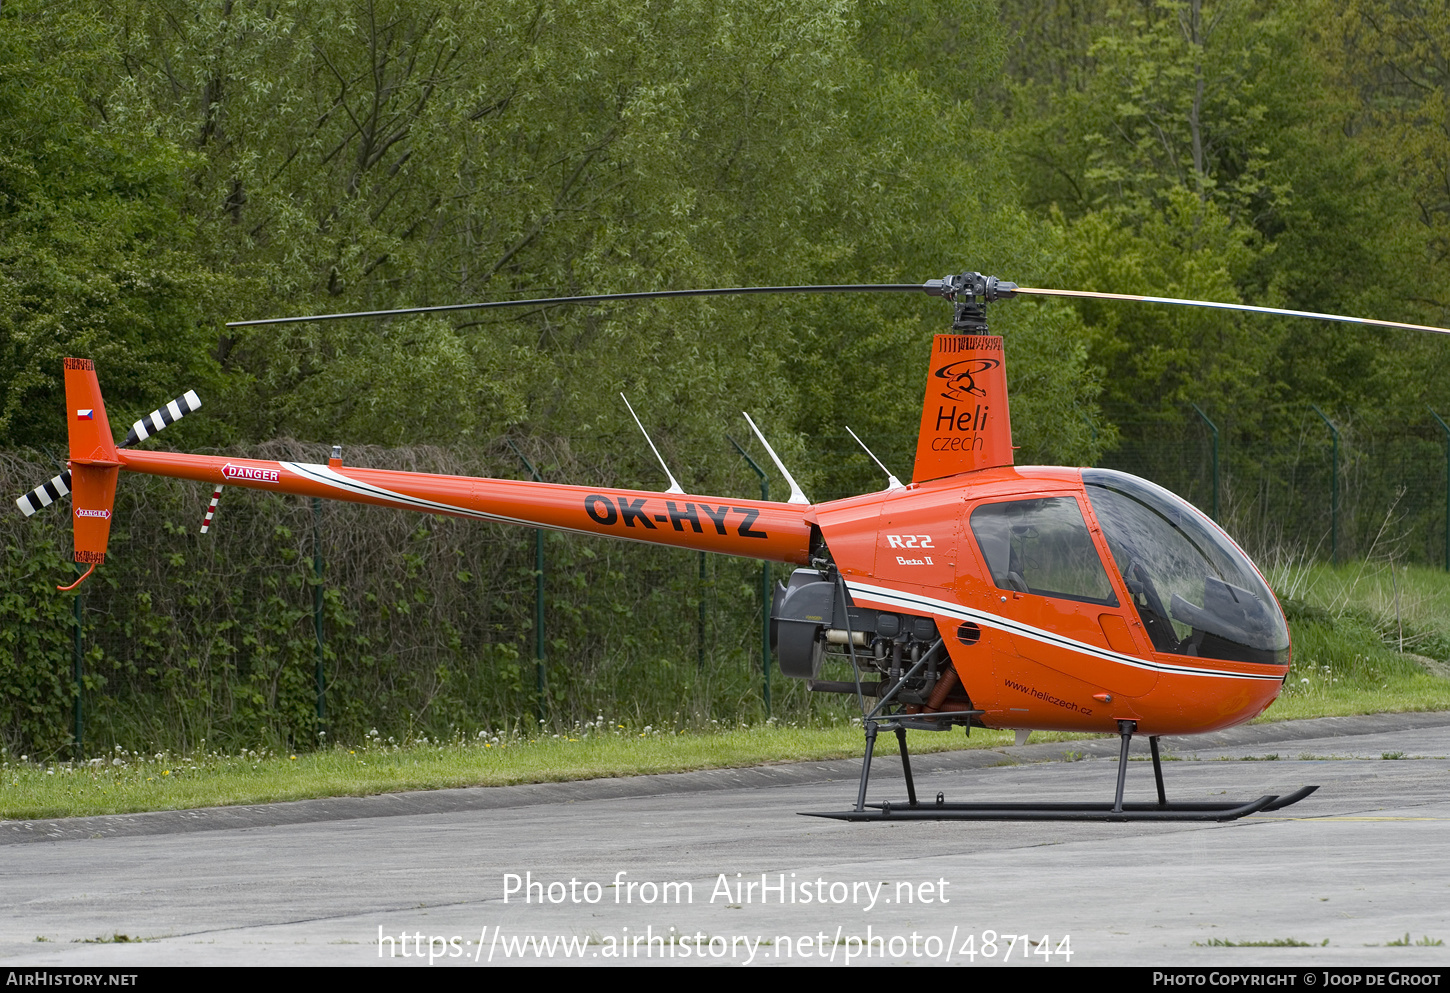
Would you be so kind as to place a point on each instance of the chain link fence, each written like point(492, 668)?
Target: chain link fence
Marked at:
point(1330, 486)
point(432, 623)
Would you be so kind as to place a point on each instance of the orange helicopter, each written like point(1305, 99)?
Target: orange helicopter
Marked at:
point(982, 594)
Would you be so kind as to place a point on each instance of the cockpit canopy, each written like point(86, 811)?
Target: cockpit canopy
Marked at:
point(1195, 591)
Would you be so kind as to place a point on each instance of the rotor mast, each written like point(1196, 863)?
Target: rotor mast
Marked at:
point(965, 425)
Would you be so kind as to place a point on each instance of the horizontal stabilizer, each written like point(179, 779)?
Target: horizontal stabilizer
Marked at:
point(93, 498)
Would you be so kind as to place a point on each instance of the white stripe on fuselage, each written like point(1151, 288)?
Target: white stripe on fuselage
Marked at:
point(328, 476)
point(899, 600)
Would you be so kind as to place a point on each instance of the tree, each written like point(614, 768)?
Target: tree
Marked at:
point(95, 257)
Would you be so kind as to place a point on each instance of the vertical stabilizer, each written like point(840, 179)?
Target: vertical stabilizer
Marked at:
point(90, 431)
point(93, 461)
point(964, 422)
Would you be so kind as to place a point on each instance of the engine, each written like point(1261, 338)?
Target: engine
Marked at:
point(813, 617)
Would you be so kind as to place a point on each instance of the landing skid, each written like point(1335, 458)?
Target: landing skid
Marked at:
point(912, 810)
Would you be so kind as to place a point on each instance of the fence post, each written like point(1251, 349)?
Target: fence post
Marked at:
point(1446, 428)
point(320, 672)
point(1091, 427)
point(1334, 491)
point(700, 661)
point(78, 673)
point(538, 598)
point(764, 583)
point(1214, 428)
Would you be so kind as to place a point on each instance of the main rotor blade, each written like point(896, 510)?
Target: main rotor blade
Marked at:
point(595, 298)
point(1229, 306)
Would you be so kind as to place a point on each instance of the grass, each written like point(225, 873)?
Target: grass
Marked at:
point(1424, 942)
point(126, 783)
point(1348, 625)
point(1419, 596)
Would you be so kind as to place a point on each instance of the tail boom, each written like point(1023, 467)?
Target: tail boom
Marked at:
point(750, 528)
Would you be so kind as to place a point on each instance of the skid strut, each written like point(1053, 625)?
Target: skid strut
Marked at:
point(872, 727)
point(1118, 810)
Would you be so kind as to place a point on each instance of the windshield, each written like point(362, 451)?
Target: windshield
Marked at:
point(1195, 591)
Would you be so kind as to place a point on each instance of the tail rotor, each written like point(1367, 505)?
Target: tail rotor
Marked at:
point(93, 464)
point(60, 486)
point(51, 491)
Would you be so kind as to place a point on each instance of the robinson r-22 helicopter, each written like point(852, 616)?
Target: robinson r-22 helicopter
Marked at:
point(982, 594)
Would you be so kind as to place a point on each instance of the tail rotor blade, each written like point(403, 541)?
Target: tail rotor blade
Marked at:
point(156, 420)
point(45, 494)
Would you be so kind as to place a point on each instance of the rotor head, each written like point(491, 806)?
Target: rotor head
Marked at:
point(971, 292)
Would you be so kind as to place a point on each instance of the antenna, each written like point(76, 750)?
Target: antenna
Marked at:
point(796, 496)
point(892, 483)
point(674, 486)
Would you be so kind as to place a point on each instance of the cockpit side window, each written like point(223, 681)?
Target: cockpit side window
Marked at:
point(1042, 547)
